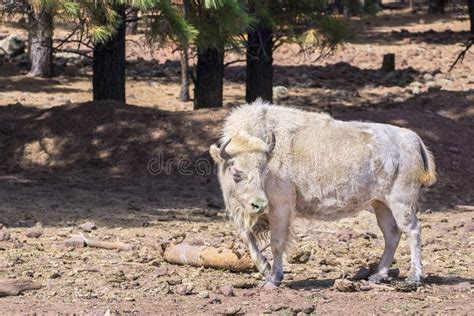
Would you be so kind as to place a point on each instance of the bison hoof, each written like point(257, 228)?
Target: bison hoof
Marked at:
point(414, 279)
point(378, 278)
point(270, 286)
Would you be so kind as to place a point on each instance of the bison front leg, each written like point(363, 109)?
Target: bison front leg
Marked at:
point(259, 260)
point(279, 221)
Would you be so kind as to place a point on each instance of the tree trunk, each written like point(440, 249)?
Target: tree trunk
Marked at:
point(209, 78)
point(108, 65)
point(259, 82)
point(132, 26)
point(184, 93)
point(388, 63)
point(436, 6)
point(470, 5)
point(40, 38)
point(340, 6)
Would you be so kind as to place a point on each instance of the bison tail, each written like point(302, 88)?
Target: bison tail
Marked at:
point(428, 176)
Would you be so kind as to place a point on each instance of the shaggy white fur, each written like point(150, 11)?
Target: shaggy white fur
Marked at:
point(320, 168)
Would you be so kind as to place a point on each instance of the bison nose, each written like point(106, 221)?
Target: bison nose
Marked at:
point(259, 205)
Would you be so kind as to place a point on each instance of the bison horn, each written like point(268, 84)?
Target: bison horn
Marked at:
point(271, 146)
point(224, 154)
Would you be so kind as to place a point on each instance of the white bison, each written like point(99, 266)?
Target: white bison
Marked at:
point(277, 163)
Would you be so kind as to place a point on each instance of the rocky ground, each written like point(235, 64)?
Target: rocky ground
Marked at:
point(64, 163)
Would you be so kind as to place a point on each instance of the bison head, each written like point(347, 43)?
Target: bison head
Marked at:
point(242, 161)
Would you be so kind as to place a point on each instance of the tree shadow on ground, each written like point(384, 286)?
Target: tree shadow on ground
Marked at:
point(35, 85)
point(107, 161)
point(338, 76)
point(128, 166)
point(404, 36)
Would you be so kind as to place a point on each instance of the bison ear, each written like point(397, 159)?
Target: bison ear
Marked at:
point(216, 154)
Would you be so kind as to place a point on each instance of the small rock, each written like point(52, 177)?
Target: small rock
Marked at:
point(87, 226)
point(415, 90)
point(4, 235)
point(369, 235)
point(244, 284)
point(280, 92)
point(279, 307)
point(406, 287)
point(34, 232)
point(344, 234)
point(12, 45)
point(196, 242)
point(464, 286)
point(184, 289)
point(227, 290)
point(75, 241)
point(300, 256)
point(175, 281)
point(427, 77)
point(215, 300)
point(117, 277)
point(305, 309)
point(161, 271)
point(443, 82)
point(203, 294)
point(269, 286)
point(344, 285)
point(434, 87)
point(55, 275)
point(234, 310)
point(163, 288)
point(416, 84)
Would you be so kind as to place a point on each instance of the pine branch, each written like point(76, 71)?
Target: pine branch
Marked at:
point(462, 54)
point(233, 62)
point(67, 38)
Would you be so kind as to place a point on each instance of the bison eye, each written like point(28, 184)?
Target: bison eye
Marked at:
point(237, 177)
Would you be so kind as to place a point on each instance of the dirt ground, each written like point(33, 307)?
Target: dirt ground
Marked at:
point(65, 161)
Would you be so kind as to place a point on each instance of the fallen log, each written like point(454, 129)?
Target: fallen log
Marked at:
point(12, 287)
point(82, 241)
point(210, 257)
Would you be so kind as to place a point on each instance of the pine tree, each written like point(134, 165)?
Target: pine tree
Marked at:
point(219, 23)
point(304, 22)
point(184, 58)
point(108, 63)
point(106, 22)
point(41, 14)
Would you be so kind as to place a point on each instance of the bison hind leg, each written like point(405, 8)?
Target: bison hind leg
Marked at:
point(391, 235)
point(406, 219)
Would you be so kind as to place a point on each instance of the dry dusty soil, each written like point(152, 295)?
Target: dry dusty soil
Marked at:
point(65, 161)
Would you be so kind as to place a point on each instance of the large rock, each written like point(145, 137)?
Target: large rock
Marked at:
point(12, 45)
